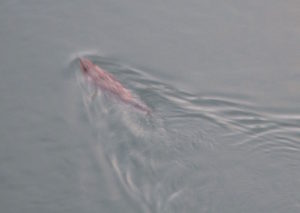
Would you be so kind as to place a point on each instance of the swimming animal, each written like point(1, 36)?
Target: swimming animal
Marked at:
point(107, 82)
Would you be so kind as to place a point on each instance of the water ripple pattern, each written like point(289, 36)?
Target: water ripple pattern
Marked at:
point(194, 153)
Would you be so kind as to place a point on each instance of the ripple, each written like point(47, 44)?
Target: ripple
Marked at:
point(191, 147)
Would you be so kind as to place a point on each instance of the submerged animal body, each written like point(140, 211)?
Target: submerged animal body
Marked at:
point(107, 82)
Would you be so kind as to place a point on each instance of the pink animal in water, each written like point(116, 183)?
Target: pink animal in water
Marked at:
point(107, 82)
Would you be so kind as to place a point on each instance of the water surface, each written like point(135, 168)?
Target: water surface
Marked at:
point(222, 79)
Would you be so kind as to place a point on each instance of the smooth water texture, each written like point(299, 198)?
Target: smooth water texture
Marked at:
point(222, 79)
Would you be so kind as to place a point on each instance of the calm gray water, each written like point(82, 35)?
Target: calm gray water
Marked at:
point(221, 77)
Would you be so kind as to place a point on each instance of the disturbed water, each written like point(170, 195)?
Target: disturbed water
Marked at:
point(222, 82)
point(193, 153)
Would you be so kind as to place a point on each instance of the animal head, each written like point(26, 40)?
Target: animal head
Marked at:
point(85, 65)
